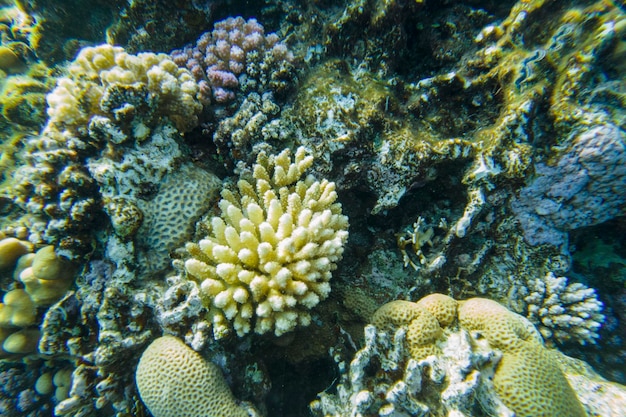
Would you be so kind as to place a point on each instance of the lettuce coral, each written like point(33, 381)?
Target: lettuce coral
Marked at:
point(270, 254)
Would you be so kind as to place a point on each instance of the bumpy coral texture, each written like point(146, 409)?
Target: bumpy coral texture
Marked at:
point(183, 197)
point(270, 254)
point(422, 327)
point(393, 373)
point(234, 48)
point(108, 97)
point(564, 312)
point(466, 339)
point(99, 74)
point(583, 187)
point(528, 379)
point(173, 380)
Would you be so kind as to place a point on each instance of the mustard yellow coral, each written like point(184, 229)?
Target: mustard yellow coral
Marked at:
point(503, 328)
point(48, 278)
point(422, 327)
point(442, 307)
point(527, 379)
point(271, 253)
point(11, 249)
point(173, 380)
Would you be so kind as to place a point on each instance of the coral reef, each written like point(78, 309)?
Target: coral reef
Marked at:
point(23, 101)
point(562, 312)
point(173, 379)
point(170, 216)
point(476, 147)
point(256, 118)
point(46, 276)
point(139, 26)
point(137, 89)
point(108, 97)
point(270, 255)
point(473, 356)
point(237, 54)
point(37, 280)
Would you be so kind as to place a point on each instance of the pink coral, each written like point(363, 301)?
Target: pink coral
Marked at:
point(220, 57)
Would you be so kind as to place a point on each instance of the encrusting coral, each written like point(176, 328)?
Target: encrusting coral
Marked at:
point(270, 254)
point(173, 380)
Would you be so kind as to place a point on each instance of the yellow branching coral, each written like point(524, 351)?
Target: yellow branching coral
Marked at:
point(270, 254)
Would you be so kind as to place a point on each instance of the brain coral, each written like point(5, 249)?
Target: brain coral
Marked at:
point(174, 380)
point(183, 197)
point(422, 327)
point(528, 379)
point(270, 254)
point(483, 360)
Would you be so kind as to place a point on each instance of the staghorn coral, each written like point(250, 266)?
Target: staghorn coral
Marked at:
point(562, 312)
point(172, 380)
point(270, 255)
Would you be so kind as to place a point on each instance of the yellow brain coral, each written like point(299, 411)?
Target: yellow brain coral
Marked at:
point(270, 254)
point(173, 380)
point(502, 327)
point(527, 379)
point(422, 327)
point(441, 306)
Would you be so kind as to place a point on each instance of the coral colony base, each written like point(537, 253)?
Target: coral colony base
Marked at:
point(297, 208)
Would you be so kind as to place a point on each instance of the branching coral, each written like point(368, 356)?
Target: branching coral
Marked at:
point(270, 254)
point(237, 53)
point(108, 99)
point(563, 312)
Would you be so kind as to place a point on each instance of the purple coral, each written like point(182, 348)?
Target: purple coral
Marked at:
point(585, 186)
point(234, 48)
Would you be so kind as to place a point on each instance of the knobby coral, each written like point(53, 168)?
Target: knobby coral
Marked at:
point(271, 252)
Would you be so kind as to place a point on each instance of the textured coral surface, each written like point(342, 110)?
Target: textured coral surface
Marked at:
point(274, 184)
